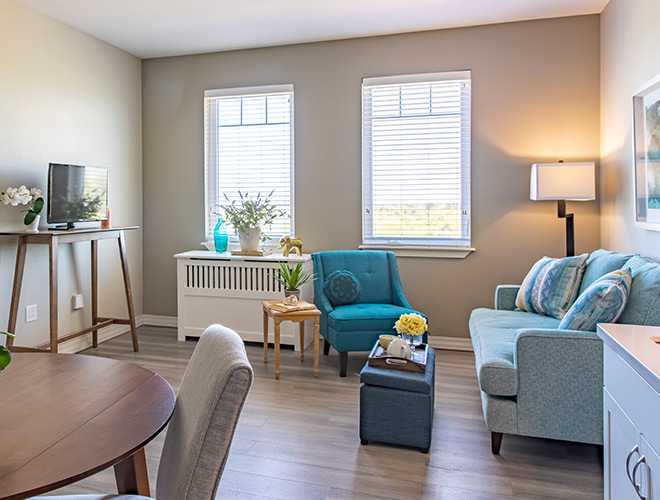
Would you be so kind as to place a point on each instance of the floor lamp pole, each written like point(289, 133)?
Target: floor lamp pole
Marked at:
point(570, 230)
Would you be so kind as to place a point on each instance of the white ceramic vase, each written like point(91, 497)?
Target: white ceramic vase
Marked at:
point(250, 239)
point(34, 226)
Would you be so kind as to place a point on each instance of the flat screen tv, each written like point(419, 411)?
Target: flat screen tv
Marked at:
point(76, 193)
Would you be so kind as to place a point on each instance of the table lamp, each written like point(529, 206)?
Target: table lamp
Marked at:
point(561, 182)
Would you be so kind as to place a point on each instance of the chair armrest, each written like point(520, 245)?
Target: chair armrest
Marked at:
point(505, 297)
point(560, 384)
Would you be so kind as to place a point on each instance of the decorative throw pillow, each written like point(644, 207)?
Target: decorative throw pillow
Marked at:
point(602, 302)
point(551, 286)
point(342, 288)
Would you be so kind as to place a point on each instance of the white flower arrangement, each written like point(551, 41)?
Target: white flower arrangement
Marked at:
point(24, 196)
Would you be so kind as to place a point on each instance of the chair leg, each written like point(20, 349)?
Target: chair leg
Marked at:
point(326, 347)
point(343, 363)
point(495, 442)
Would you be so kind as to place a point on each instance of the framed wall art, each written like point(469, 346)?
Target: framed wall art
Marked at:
point(646, 137)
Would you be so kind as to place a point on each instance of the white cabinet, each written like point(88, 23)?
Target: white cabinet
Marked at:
point(631, 407)
point(228, 289)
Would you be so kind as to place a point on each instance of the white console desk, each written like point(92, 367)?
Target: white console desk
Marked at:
point(228, 289)
point(631, 412)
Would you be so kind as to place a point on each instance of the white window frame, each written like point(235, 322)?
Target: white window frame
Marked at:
point(427, 246)
point(211, 168)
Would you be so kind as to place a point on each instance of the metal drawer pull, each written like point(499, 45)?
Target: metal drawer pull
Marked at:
point(638, 489)
point(630, 454)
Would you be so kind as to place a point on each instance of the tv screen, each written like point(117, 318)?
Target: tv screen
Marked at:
point(76, 193)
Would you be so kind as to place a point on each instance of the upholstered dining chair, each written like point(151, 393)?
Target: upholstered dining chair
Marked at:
point(360, 297)
point(210, 400)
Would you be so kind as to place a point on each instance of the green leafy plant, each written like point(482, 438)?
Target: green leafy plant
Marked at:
point(250, 213)
point(292, 278)
point(5, 355)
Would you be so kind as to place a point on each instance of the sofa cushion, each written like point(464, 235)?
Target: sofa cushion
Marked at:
point(366, 317)
point(599, 264)
point(602, 302)
point(551, 286)
point(493, 334)
point(342, 288)
point(643, 306)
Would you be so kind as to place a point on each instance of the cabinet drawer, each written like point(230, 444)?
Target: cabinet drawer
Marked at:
point(633, 394)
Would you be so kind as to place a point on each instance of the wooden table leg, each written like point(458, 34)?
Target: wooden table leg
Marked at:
point(301, 325)
point(16, 292)
point(95, 290)
point(127, 286)
point(277, 348)
point(52, 290)
point(316, 346)
point(131, 475)
point(265, 336)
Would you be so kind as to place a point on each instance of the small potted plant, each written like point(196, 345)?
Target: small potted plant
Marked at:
point(292, 278)
point(248, 215)
point(24, 196)
point(5, 355)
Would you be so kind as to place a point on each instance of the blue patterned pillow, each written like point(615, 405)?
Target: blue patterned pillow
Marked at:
point(551, 286)
point(342, 288)
point(602, 302)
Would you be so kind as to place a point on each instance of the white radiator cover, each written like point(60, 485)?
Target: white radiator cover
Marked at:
point(228, 289)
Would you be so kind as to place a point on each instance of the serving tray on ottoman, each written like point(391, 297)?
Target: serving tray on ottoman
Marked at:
point(378, 358)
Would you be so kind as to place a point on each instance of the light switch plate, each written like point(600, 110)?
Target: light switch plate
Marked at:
point(31, 313)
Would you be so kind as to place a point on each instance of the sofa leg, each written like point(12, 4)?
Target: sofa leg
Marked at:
point(495, 442)
point(343, 363)
point(326, 347)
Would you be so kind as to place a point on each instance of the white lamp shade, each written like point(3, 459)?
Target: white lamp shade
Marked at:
point(563, 181)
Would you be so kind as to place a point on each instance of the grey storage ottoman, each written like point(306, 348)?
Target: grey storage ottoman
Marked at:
point(396, 406)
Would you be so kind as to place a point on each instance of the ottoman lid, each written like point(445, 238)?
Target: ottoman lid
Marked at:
point(398, 379)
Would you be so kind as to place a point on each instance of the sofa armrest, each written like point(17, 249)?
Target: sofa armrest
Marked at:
point(505, 297)
point(560, 384)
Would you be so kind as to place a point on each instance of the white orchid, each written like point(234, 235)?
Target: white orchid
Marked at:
point(24, 196)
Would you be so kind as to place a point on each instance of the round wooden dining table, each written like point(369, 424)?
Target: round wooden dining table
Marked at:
point(64, 417)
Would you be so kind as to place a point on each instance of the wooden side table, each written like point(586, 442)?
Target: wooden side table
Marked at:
point(312, 315)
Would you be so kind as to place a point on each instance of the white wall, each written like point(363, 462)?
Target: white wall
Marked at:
point(630, 56)
point(67, 97)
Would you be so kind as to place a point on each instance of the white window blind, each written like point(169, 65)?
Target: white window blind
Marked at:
point(249, 149)
point(416, 160)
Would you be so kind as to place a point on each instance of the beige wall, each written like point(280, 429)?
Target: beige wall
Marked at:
point(535, 98)
point(67, 97)
point(630, 56)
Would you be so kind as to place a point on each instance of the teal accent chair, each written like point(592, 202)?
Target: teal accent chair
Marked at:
point(356, 327)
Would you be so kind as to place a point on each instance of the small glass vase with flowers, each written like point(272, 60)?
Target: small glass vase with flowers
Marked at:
point(411, 327)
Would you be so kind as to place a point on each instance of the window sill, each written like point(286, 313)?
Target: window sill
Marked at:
point(425, 252)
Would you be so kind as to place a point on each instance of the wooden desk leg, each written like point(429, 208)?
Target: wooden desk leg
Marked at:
point(265, 337)
point(316, 346)
point(16, 292)
point(95, 291)
point(52, 291)
point(127, 286)
point(277, 348)
point(302, 340)
point(131, 475)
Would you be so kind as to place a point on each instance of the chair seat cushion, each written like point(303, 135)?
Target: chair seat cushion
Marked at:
point(493, 334)
point(366, 317)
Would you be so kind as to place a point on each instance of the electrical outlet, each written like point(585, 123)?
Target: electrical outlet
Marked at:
point(78, 301)
point(31, 313)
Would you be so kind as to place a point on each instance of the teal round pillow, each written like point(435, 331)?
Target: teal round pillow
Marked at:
point(342, 288)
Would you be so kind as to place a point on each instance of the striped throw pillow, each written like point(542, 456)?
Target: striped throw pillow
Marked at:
point(602, 302)
point(551, 286)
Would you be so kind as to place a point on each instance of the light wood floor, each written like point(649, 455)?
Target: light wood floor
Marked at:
point(298, 437)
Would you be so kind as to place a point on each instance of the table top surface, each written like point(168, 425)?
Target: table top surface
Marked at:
point(266, 304)
point(65, 232)
point(64, 417)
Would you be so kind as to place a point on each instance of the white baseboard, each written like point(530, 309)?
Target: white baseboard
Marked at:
point(156, 320)
point(450, 343)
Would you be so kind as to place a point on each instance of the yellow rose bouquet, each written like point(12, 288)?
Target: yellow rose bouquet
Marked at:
point(411, 324)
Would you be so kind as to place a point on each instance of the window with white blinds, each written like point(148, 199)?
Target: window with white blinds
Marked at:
point(249, 149)
point(416, 160)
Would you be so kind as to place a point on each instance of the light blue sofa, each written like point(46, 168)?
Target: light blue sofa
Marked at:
point(356, 327)
point(539, 381)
